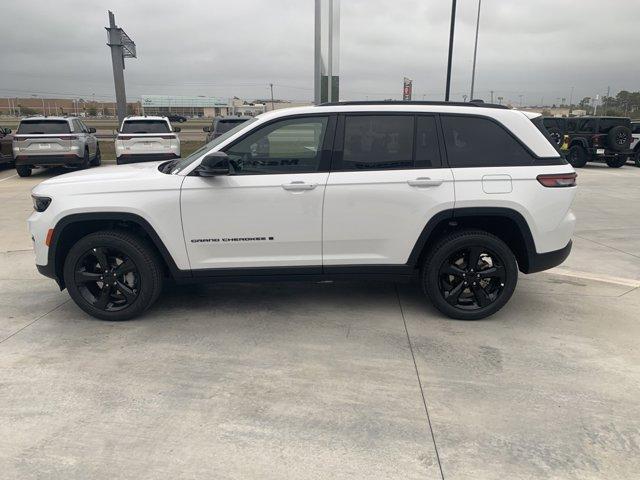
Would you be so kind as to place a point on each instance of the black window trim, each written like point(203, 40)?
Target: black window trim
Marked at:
point(538, 160)
point(327, 142)
point(338, 147)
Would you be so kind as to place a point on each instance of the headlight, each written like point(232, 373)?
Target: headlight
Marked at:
point(40, 204)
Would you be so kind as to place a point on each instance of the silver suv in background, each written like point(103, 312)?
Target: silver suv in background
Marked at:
point(54, 141)
point(146, 139)
point(222, 125)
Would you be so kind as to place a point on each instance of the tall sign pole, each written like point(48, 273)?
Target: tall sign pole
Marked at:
point(121, 47)
point(475, 52)
point(326, 81)
point(453, 26)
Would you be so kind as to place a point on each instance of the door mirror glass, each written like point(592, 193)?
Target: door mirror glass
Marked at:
point(176, 129)
point(213, 165)
point(92, 130)
point(206, 129)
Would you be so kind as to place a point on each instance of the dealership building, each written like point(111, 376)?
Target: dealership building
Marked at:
point(201, 106)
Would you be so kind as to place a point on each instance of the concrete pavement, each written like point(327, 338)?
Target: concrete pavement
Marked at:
point(342, 380)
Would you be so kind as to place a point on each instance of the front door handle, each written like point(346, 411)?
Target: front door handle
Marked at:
point(298, 185)
point(425, 182)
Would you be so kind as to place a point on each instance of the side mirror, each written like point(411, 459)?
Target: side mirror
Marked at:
point(214, 164)
point(92, 130)
point(176, 129)
point(206, 129)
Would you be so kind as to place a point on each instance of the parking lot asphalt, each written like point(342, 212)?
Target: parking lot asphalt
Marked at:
point(337, 380)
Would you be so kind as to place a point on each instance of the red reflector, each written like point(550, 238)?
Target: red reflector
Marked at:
point(47, 241)
point(558, 180)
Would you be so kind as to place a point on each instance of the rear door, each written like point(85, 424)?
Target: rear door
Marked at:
point(387, 180)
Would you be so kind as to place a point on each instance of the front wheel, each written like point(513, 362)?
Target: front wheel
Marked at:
point(113, 275)
point(23, 170)
point(470, 275)
point(636, 158)
point(616, 162)
point(86, 160)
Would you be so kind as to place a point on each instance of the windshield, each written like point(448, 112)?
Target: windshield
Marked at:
point(35, 127)
point(183, 163)
point(226, 125)
point(145, 126)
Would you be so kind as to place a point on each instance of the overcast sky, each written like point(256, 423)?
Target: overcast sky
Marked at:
point(534, 48)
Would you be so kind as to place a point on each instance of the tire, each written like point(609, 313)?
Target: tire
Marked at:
point(619, 138)
point(24, 170)
point(97, 160)
point(617, 162)
point(468, 301)
point(577, 156)
point(636, 157)
point(136, 282)
point(86, 160)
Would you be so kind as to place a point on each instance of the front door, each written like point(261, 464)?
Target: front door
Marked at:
point(268, 211)
point(387, 181)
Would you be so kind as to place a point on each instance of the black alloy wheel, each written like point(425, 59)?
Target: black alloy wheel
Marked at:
point(469, 274)
point(472, 278)
point(113, 274)
point(107, 279)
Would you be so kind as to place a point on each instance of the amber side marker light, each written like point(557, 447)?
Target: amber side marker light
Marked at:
point(555, 180)
point(47, 241)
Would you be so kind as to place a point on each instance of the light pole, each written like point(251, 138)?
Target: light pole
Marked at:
point(475, 52)
point(451, 32)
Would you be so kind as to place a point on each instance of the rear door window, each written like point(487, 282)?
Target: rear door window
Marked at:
point(481, 142)
point(43, 127)
point(378, 142)
point(145, 126)
point(226, 125)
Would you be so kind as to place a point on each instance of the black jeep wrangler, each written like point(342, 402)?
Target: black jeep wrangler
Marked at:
point(588, 139)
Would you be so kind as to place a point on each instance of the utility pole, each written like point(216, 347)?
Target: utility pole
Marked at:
point(500, 100)
point(520, 99)
point(475, 52)
point(450, 58)
point(491, 96)
point(271, 86)
point(121, 47)
point(571, 101)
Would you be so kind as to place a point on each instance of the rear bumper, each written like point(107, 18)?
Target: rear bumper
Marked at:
point(544, 261)
point(610, 153)
point(145, 157)
point(49, 160)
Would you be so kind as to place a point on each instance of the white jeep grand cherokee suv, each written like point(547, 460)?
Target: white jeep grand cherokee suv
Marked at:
point(456, 196)
point(146, 139)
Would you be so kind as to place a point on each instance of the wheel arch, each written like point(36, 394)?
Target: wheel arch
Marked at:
point(71, 228)
point(582, 142)
point(505, 223)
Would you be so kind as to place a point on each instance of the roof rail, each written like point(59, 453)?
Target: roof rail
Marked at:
point(473, 103)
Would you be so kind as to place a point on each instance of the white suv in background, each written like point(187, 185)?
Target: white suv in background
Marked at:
point(146, 139)
point(457, 197)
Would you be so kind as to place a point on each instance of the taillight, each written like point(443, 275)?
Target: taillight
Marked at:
point(554, 180)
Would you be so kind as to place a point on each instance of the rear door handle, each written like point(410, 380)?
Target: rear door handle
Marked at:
point(299, 185)
point(425, 182)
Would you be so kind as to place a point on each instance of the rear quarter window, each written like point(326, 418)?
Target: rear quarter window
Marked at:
point(43, 127)
point(481, 142)
point(145, 126)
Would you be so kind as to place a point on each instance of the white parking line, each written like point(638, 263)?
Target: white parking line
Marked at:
point(627, 282)
point(7, 178)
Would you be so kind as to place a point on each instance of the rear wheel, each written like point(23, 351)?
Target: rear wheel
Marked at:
point(97, 160)
point(86, 160)
point(577, 156)
point(636, 158)
point(616, 162)
point(113, 275)
point(470, 275)
point(23, 170)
